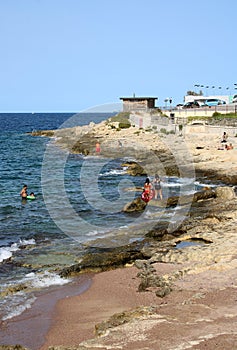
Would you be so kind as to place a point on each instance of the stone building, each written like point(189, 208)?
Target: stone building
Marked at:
point(138, 103)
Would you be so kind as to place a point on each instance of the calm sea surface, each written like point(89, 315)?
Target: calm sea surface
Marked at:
point(78, 199)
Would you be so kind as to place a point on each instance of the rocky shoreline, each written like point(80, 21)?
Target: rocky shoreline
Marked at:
point(192, 286)
point(189, 271)
point(168, 154)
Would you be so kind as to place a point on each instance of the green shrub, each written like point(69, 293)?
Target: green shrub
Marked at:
point(124, 124)
point(219, 116)
point(190, 119)
point(216, 114)
point(163, 131)
point(120, 117)
point(156, 111)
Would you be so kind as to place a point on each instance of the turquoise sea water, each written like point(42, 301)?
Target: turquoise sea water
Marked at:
point(78, 199)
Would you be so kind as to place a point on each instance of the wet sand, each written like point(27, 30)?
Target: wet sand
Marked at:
point(201, 313)
point(111, 292)
point(30, 328)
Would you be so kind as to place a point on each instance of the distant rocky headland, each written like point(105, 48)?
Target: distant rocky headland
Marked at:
point(151, 151)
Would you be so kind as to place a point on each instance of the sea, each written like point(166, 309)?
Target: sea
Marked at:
point(79, 201)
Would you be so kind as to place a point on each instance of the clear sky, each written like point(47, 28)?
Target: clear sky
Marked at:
point(70, 55)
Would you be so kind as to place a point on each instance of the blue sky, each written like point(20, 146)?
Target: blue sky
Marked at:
point(70, 55)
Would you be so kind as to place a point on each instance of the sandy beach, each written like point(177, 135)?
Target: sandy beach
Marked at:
point(111, 292)
point(30, 328)
point(200, 314)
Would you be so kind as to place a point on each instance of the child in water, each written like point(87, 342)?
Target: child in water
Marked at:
point(23, 192)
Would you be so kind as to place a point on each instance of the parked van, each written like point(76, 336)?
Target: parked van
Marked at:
point(214, 102)
point(234, 99)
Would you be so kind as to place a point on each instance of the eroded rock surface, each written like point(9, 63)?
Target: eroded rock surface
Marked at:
point(195, 287)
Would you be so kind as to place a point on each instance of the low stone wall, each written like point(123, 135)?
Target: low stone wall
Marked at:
point(185, 113)
point(147, 120)
point(202, 111)
point(210, 129)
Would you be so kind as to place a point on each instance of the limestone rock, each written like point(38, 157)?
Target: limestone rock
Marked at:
point(105, 259)
point(123, 318)
point(136, 205)
point(134, 169)
point(12, 347)
point(225, 192)
point(46, 133)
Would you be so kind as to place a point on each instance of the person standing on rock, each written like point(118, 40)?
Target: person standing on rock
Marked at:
point(157, 187)
point(97, 148)
point(147, 192)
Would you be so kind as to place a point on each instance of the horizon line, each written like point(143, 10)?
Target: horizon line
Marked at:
point(30, 112)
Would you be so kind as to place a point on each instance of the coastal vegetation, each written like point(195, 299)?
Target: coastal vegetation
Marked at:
point(164, 131)
point(193, 93)
point(216, 118)
point(119, 121)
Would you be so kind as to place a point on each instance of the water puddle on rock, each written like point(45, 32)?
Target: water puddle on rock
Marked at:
point(190, 242)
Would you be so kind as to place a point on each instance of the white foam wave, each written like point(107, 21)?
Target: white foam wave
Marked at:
point(148, 214)
point(177, 182)
point(187, 193)
point(92, 233)
point(6, 252)
point(197, 183)
point(17, 305)
point(99, 233)
point(45, 279)
point(27, 242)
point(170, 184)
point(114, 172)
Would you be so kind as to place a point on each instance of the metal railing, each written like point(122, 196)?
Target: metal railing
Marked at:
point(224, 109)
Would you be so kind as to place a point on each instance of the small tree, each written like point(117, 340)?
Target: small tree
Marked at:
point(193, 93)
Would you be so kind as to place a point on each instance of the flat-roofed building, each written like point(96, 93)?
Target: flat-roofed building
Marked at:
point(202, 98)
point(138, 103)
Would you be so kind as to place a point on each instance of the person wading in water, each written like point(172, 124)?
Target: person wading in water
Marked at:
point(157, 187)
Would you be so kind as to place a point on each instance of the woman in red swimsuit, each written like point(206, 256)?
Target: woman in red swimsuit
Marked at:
point(147, 193)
